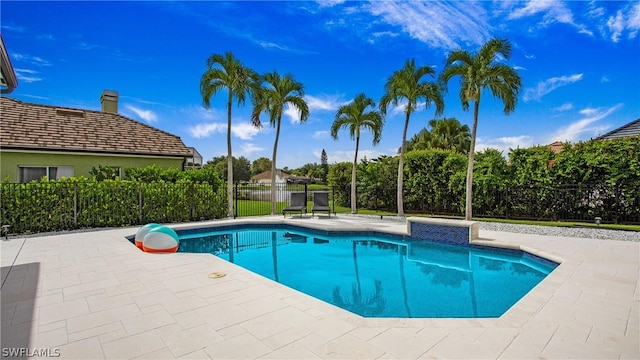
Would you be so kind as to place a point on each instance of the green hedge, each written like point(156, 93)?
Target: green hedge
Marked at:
point(78, 203)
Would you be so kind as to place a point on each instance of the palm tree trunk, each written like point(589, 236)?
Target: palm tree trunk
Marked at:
point(357, 270)
point(353, 179)
point(403, 148)
point(274, 254)
point(403, 280)
point(229, 160)
point(273, 169)
point(468, 213)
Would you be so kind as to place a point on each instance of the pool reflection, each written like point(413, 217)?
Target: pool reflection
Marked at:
point(378, 277)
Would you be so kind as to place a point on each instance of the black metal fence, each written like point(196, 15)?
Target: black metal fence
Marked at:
point(255, 199)
point(618, 204)
point(53, 206)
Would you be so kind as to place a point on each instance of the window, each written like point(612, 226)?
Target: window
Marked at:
point(30, 173)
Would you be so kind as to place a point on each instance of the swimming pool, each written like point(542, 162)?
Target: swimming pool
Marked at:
point(374, 274)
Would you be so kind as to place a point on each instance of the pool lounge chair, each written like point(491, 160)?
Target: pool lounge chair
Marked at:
point(321, 203)
point(297, 203)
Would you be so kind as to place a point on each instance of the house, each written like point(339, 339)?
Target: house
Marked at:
point(195, 160)
point(556, 146)
point(265, 177)
point(627, 130)
point(8, 80)
point(42, 140)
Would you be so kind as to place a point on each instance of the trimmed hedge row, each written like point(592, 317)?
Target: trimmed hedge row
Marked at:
point(78, 203)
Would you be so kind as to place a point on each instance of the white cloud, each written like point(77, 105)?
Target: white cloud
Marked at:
point(337, 156)
point(321, 135)
point(604, 79)
point(329, 3)
point(34, 60)
point(292, 114)
point(146, 115)
point(315, 103)
point(616, 26)
point(244, 130)
point(547, 86)
point(384, 33)
point(633, 19)
point(271, 45)
point(247, 149)
point(552, 11)
point(438, 24)
point(627, 19)
point(588, 111)
point(402, 107)
point(584, 126)
point(564, 107)
point(26, 75)
point(503, 144)
point(205, 130)
point(324, 102)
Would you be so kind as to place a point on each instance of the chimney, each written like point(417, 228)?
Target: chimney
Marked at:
point(109, 101)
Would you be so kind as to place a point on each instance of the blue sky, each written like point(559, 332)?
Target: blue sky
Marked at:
point(579, 62)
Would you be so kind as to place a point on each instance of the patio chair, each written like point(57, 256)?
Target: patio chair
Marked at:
point(321, 203)
point(297, 203)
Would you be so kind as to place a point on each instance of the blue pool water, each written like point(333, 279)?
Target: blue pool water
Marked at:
point(378, 275)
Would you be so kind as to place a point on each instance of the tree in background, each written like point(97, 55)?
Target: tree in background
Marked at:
point(225, 72)
point(324, 161)
point(479, 71)
point(311, 170)
point(354, 117)
point(407, 84)
point(339, 178)
point(241, 167)
point(276, 93)
point(446, 134)
point(260, 165)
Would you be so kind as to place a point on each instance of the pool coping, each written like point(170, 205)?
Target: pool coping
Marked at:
point(587, 307)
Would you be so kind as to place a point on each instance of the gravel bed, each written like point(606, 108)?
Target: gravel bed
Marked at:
point(590, 233)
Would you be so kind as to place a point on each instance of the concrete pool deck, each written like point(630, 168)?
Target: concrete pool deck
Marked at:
point(94, 295)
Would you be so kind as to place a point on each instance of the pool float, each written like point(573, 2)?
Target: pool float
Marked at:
point(142, 232)
point(161, 239)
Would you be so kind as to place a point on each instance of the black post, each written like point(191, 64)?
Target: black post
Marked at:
point(333, 198)
point(235, 212)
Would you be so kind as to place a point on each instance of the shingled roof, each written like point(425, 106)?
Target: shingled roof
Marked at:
point(42, 127)
point(630, 129)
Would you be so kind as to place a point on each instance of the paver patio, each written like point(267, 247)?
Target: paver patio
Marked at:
point(93, 295)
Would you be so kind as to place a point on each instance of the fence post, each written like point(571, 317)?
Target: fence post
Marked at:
point(75, 205)
point(192, 192)
point(139, 204)
point(333, 198)
point(235, 212)
point(508, 203)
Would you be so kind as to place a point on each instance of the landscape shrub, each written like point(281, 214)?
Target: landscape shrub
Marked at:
point(74, 203)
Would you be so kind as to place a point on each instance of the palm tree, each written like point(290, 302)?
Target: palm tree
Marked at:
point(446, 133)
point(479, 71)
point(419, 141)
point(353, 116)
point(449, 134)
point(227, 72)
point(406, 84)
point(278, 92)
